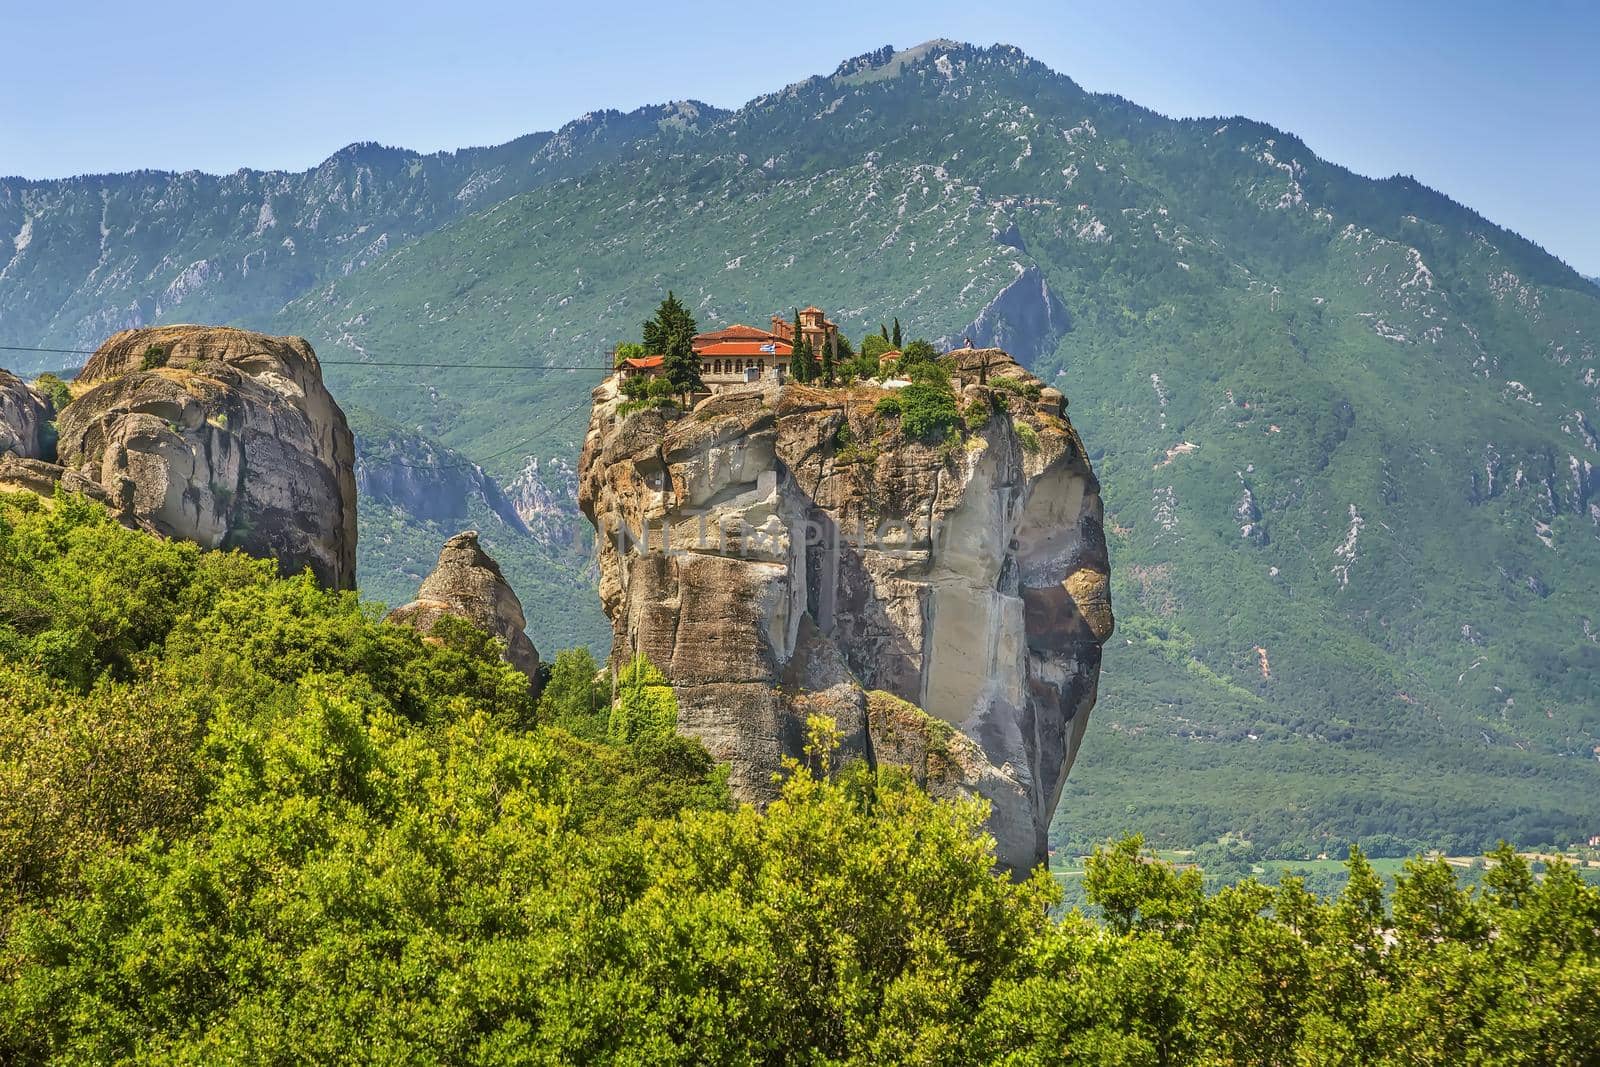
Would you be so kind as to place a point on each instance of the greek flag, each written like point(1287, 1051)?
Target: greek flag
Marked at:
point(770, 348)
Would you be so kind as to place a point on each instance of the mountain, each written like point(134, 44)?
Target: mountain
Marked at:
point(1346, 428)
point(414, 493)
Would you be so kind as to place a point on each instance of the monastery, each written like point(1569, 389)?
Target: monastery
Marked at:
point(740, 354)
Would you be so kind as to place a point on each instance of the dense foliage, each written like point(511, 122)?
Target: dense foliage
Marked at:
point(670, 333)
point(243, 820)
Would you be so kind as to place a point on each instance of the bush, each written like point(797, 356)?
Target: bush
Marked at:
point(645, 707)
point(873, 346)
point(1027, 436)
point(56, 391)
point(154, 356)
point(645, 392)
point(1016, 387)
point(928, 411)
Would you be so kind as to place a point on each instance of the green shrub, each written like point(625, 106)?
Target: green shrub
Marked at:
point(1027, 436)
point(1016, 387)
point(873, 346)
point(645, 705)
point(646, 403)
point(154, 356)
point(928, 410)
point(53, 389)
point(644, 392)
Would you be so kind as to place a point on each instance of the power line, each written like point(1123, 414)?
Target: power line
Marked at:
point(460, 366)
point(469, 463)
point(61, 351)
point(370, 362)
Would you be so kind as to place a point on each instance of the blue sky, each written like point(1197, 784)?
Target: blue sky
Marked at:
point(1498, 107)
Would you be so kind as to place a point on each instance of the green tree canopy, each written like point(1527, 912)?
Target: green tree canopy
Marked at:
point(874, 346)
point(670, 333)
point(243, 819)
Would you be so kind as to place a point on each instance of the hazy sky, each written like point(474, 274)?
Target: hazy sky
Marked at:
point(1496, 104)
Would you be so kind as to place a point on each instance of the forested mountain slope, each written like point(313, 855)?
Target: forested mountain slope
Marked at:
point(1346, 428)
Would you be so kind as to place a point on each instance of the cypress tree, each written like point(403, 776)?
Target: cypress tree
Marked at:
point(895, 340)
point(806, 359)
point(797, 362)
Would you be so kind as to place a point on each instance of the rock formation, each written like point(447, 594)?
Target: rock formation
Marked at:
point(784, 552)
point(222, 437)
point(467, 583)
point(23, 416)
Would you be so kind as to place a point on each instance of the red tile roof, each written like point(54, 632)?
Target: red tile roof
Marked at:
point(737, 332)
point(645, 363)
point(745, 348)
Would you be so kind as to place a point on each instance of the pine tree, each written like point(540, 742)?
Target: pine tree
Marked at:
point(681, 367)
point(670, 332)
point(827, 363)
point(884, 330)
point(895, 340)
point(671, 317)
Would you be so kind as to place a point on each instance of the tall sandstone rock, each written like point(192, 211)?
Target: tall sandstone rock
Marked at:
point(785, 552)
point(223, 437)
point(23, 416)
point(467, 584)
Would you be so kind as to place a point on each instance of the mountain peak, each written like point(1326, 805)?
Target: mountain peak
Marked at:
point(886, 62)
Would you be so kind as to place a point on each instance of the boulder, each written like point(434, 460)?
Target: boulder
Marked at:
point(41, 478)
point(467, 584)
point(779, 554)
point(23, 417)
point(223, 437)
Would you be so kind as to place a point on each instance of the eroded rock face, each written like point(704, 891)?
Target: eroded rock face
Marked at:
point(23, 415)
point(467, 583)
point(222, 437)
point(782, 553)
